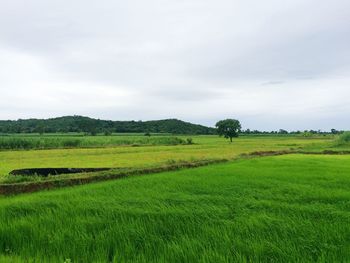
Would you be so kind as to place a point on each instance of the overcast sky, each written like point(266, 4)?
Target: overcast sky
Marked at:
point(271, 64)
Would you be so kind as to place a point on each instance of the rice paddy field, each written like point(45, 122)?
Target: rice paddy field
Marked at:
point(286, 208)
point(131, 154)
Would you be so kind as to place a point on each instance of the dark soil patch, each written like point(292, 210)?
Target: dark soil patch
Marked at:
point(54, 171)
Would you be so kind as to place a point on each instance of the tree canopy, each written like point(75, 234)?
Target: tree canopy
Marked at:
point(94, 126)
point(228, 128)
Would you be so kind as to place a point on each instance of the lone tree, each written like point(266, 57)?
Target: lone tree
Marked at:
point(228, 128)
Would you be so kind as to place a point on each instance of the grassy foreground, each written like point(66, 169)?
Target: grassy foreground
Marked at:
point(292, 208)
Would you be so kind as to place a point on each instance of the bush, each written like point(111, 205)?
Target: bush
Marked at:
point(165, 141)
point(306, 134)
point(189, 141)
point(344, 138)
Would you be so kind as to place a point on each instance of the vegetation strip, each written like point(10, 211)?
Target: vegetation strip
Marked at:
point(17, 142)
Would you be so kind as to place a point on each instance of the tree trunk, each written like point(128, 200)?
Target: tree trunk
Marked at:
point(231, 139)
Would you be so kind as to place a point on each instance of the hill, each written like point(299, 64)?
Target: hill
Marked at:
point(93, 126)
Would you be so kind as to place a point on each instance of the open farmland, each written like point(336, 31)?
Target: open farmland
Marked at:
point(203, 147)
point(291, 208)
point(253, 208)
point(174, 131)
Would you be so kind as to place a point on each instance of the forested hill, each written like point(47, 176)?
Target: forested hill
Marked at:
point(93, 126)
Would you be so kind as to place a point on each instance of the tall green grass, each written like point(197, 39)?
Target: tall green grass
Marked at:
point(343, 139)
point(291, 208)
point(50, 142)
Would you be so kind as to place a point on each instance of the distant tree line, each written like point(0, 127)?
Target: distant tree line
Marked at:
point(281, 131)
point(93, 126)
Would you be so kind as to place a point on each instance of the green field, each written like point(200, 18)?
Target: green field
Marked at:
point(272, 209)
point(288, 208)
point(204, 147)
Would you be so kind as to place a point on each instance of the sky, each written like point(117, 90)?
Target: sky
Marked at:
point(271, 64)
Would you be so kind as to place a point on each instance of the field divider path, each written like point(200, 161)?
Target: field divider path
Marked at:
point(27, 187)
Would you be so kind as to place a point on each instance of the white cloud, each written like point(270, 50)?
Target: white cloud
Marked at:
point(273, 64)
point(32, 90)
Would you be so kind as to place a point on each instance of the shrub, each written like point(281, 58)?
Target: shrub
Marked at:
point(344, 138)
point(189, 141)
point(306, 134)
